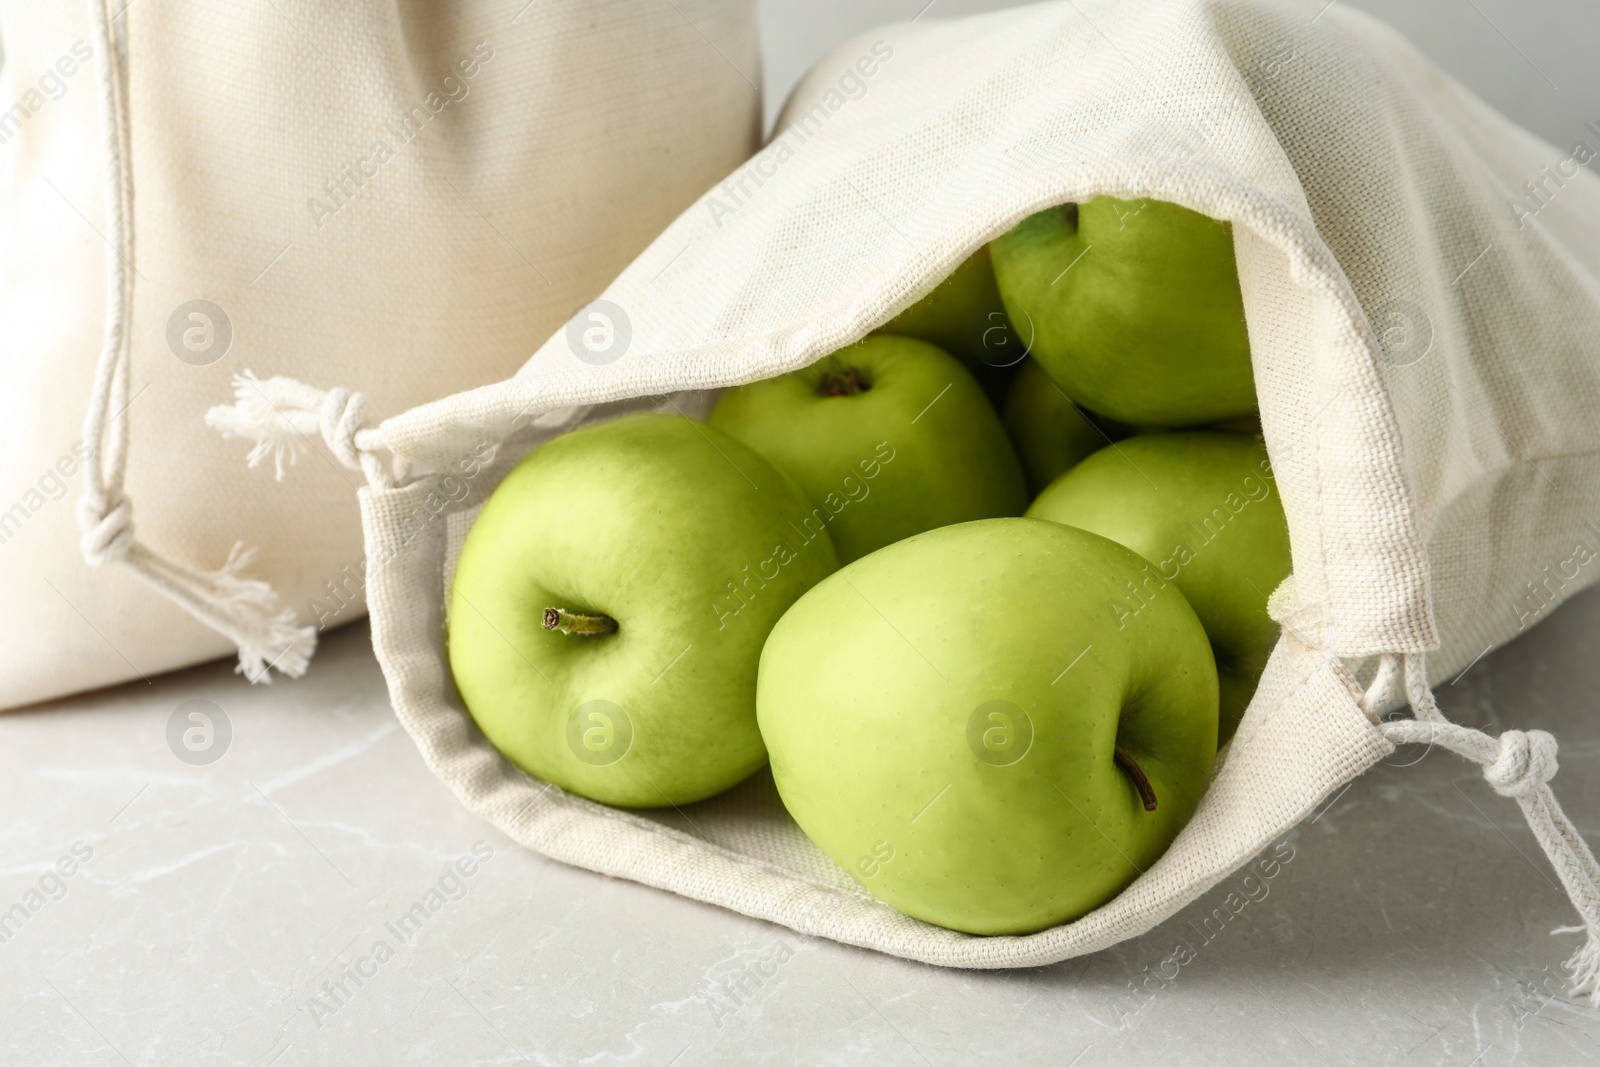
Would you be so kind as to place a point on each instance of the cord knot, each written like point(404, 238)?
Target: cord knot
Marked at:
point(341, 415)
point(1525, 762)
point(107, 526)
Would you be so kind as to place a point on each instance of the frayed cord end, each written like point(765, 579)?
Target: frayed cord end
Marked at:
point(1583, 966)
point(273, 414)
point(286, 648)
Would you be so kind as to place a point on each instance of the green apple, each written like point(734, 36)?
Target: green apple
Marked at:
point(1203, 509)
point(965, 316)
point(890, 436)
point(607, 614)
point(1050, 432)
point(1132, 307)
point(975, 724)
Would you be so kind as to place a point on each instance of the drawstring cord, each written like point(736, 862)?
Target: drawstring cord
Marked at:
point(243, 609)
point(1517, 764)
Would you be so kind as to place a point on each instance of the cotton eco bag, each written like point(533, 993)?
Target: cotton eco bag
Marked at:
point(408, 196)
point(1426, 336)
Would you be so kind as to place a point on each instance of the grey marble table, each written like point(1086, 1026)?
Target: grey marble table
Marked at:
point(230, 913)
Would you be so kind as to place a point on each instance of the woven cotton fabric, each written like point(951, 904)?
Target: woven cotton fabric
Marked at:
point(1427, 358)
point(407, 197)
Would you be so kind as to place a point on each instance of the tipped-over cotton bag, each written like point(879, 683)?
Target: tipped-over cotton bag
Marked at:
point(1420, 282)
point(410, 196)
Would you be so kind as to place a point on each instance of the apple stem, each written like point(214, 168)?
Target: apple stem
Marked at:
point(846, 382)
point(1136, 772)
point(575, 622)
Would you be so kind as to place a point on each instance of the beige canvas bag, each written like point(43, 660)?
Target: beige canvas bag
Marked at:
point(1420, 280)
point(407, 196)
